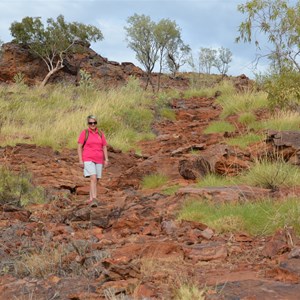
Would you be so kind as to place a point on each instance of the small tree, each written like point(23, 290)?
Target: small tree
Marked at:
point(177, 55)
point(54, 42)
point(141, 39)
point(166, 33)
point(207, 59)
point(223, 59)
point(280, 23)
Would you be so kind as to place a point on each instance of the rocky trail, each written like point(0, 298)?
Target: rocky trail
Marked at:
point(132, 246)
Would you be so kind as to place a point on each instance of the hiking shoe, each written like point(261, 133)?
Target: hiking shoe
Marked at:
point(89, 201)
point(94, 203)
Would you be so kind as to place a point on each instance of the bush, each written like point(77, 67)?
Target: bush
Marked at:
point(284, 90)
point(18, 189)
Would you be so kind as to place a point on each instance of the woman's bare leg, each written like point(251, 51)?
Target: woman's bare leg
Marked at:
point(93, 187)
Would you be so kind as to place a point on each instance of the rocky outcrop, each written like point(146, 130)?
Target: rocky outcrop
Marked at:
point(17, 59)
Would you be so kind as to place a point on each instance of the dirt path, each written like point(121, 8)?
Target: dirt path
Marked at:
point(132, 244)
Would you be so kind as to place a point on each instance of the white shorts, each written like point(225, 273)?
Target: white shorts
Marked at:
point(91, 168)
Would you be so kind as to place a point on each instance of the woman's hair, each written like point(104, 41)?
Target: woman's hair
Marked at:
point(91, 117)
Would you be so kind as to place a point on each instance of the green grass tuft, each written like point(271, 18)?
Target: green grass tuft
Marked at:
point(214, 180)
point(262, 217)
point(219, 127)
point(272, 175)
point(244, 141)
point(153, 181)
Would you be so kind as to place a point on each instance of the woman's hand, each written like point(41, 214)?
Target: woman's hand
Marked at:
point(106, 162)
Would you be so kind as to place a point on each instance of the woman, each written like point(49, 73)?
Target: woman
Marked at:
point(92, 153)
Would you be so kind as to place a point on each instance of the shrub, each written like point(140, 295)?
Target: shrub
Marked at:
point(18, 189)
point(284, 90)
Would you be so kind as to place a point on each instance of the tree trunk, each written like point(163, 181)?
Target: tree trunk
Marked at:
point(59, 66)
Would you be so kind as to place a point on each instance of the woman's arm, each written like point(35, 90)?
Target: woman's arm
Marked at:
point(105, 155)
point(79, 151)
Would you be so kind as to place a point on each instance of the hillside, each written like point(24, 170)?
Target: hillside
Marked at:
point(134, 246)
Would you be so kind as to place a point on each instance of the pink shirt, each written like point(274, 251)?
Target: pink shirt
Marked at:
point(93, 148)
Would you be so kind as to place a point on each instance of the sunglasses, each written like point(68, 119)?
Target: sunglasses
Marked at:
point(92, 123)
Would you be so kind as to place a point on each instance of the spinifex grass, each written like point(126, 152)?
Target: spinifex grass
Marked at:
point(262, 217)
point(284, 120)
point(242, 102)
point(219, 127)
point(55, 115)
point(243, 141)
point(154, 181)
point(272, 175)
point(214, 180)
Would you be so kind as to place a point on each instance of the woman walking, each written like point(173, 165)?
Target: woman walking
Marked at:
point(92, 153)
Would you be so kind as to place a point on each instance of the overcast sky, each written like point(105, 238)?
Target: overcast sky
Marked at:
point(203, 23)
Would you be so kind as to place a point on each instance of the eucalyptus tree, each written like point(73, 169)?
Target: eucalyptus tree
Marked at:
point(178, 54)
point(279, 22)
point(150, 41)
point(141, 39)
point(166, 33)
point(207, 59)
point(222, 60)
point(55, 41)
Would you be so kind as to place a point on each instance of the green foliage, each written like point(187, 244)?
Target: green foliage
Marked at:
point(138, 118)
point(18, 189)
point(153, 181)
point(219, 127)
point(150, 41)
point(278, 21)
point(214, 180)
point(168, 113)
point(233, 103)
point(247, 118)
point(272, 175)
point(284, 90)
point(262, 217)
point(177, 55)
point(207, 58)
point(86, 83)
point(141, 39)
point(19, 79)
point(222, 60)
point(38, 115)
point(171, 190)
point(243, 141)
point(279, 121)
point(53, 43)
